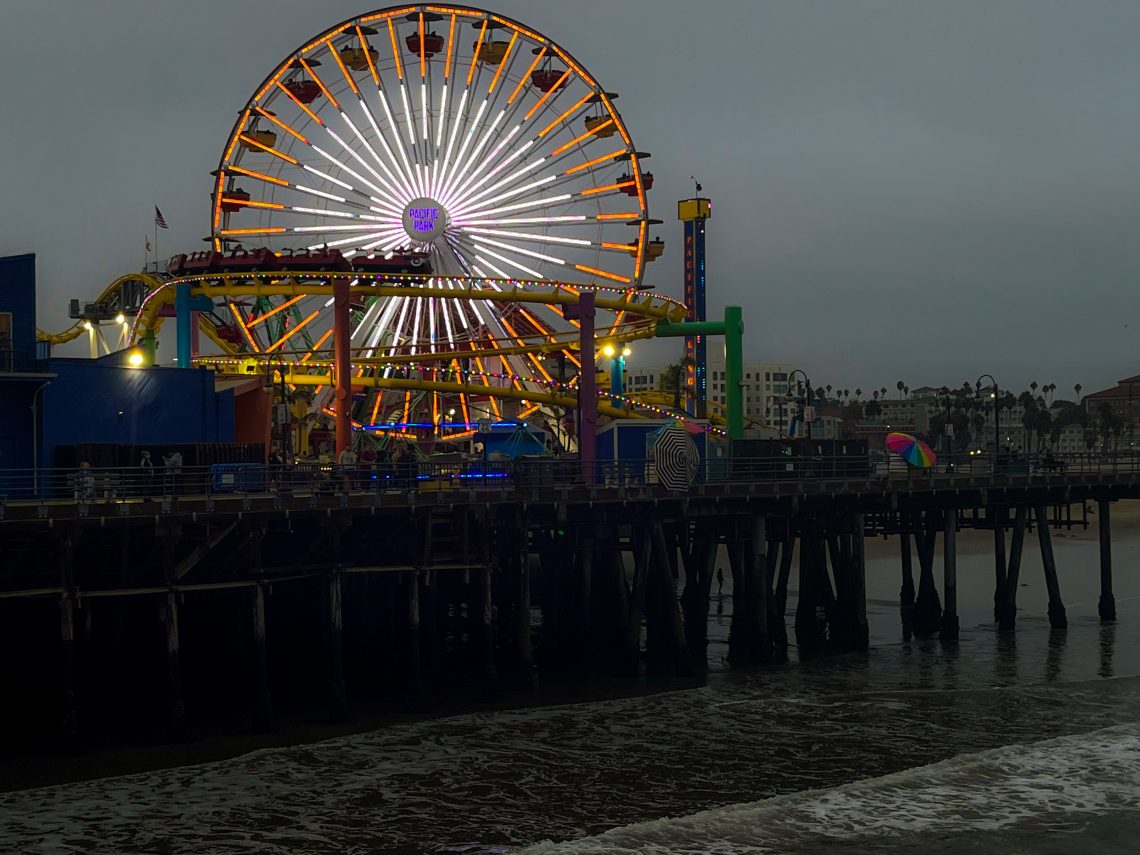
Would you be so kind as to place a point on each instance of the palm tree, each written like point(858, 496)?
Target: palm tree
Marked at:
point(1042, 425)
point(673, 379)
point(858, 394)
point(900, 386)
point(828, 388)
point(884, 391)
point(1033, 387)
point(873, 409)
point(1028, 417)
point(1077, 389)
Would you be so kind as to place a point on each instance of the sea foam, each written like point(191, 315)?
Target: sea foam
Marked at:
point(1044, 787)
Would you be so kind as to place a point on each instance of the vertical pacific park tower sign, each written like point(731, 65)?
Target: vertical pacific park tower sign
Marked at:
point(424, 220)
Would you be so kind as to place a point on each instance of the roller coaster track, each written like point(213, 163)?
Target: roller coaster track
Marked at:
point(637, 313)
point(125, 294)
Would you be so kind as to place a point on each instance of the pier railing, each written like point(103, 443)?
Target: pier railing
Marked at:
point(112, 484)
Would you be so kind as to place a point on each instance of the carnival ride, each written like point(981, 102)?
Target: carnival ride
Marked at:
point(457, 170)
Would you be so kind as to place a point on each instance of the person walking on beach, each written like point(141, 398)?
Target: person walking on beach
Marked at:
point(719, 580)
point(146, 475)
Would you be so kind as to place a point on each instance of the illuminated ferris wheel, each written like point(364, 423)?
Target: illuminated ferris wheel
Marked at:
point(439, 149)
point(444, 140)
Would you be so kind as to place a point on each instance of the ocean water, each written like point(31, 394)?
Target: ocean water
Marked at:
point(997, 744)
point(1071, 794)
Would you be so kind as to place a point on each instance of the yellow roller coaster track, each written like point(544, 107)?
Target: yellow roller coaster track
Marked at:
point(152, 282)
point(637, 312)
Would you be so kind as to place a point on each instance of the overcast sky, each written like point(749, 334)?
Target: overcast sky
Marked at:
point(901, 190)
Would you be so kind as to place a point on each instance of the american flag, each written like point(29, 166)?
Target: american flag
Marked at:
point(159, 220)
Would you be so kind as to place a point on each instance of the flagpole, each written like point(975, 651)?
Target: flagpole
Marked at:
point(156, 241)
point(146, 254)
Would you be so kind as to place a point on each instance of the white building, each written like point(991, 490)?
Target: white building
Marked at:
point(765, 388)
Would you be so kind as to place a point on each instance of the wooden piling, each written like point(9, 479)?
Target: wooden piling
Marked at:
point(906, 592)
point(671, 635)
point(262, 704)
point(927, 604)
point(950, 577)
point(1007, 621)
point(771, 574)
point(69, 714)
point(761, 642)
point(699, 560)
point(524, 650)
point(631, 655)
point(842, 614)
point(412, 639)
point(998, 515)
point(1107, 604)
point(861, 637)
point(338, 696)
point(779, 628)
point(584, 565)
point(553, 560)
point(810, 623)
point(487, 629)
point(1057, 618)
point(176, 710)
point(739, 624)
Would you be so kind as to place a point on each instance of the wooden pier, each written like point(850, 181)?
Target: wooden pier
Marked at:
point(179, 610)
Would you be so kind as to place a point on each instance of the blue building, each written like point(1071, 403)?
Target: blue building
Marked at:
point(24, 371)
point(49, 402)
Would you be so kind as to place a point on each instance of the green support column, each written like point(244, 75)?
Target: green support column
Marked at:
point(732, 328)
point(149, 348)
point(734, 370)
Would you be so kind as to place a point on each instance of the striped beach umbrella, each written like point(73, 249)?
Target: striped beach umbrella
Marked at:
point(911, 449)
point(676, 457)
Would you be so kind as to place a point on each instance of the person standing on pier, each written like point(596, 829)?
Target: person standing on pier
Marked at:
point(146, 476)
point(347, 463)
point(173, 471)
point(85, 483)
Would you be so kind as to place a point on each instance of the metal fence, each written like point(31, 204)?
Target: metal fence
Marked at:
point(23, 362)
point(94, 485)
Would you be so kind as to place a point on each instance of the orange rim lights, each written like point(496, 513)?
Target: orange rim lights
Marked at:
point(621, 185)
point(475, 55)
point(395, 51)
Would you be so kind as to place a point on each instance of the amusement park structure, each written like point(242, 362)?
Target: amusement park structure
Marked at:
point(693, 213)
point(406, 221)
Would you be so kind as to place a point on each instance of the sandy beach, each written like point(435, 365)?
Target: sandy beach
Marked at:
point(1125, 521)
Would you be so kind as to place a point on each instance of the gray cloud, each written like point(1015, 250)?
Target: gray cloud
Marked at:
point(916, 191)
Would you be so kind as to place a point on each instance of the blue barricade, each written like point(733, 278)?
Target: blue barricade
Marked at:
point(237, 478)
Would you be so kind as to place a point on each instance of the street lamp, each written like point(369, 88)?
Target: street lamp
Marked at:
point(994, 393)
point(806, 401)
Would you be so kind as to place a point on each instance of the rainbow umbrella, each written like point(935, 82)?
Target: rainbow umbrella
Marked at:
point(911, 449)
